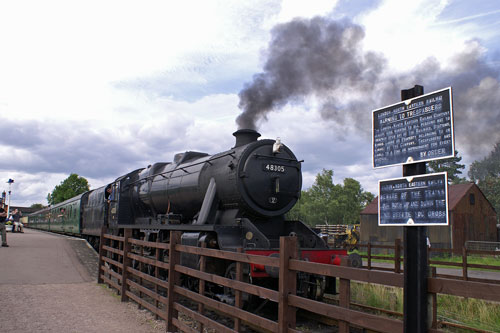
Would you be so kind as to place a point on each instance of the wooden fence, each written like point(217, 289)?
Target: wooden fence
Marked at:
point(149, 273)
point(395, 255)
point(332, 229)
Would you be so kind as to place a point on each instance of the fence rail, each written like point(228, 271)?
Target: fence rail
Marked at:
point(150, 274)
point(464, 266)
point(483, 245)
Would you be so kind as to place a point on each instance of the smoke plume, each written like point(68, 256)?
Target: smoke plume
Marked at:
point(305, 57)
point(324, 59)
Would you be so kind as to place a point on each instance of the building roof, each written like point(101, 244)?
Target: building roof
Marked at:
point(371, 208)
point(24, 210)
point(455, 193)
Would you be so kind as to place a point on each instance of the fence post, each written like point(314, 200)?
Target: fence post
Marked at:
point(464, 263)
point(287, 283)
point(344, 296)
point(173, 278)
point(397, 255)
point(428, 256)
point(434, 301)
point(369, 254)
point(141, 268)
point(238, 301)
point(100, 271)
point(201, 285)
point(157, 272)
point(126, 263)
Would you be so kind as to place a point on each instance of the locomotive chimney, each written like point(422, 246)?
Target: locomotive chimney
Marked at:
point(245, 136)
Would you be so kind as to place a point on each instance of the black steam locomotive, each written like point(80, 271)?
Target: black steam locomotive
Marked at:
point(234, 199)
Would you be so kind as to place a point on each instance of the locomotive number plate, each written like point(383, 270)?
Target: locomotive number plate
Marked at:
point(274, 168)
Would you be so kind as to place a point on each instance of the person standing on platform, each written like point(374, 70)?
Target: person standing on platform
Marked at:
point(3, 230)
point(16, 224)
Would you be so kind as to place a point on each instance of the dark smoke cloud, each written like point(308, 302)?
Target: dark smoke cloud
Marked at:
point(307, 57)
point(324, 58)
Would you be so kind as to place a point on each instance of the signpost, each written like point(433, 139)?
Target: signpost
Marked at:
point(416, 130)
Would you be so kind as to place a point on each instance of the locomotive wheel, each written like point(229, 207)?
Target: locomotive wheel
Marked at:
point(356, 260)
point(312, 286)
point(192, 283)
point(229, 292)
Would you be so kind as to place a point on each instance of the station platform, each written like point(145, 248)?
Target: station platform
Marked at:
point(48, 283)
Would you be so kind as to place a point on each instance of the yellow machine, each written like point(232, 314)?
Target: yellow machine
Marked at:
point(348, 239)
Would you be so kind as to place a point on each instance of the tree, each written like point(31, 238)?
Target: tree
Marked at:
point(329, 203)
point(486, 174)
point(490, 186)
point(69, 188)
point(354, 200)
point(37, 206)
point(487, 167)
point(451, 166)
point(323, 195)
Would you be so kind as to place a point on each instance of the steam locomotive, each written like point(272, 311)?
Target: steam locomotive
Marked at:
point(233, 199)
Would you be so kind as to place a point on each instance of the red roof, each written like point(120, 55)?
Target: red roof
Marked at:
point(455, 193)
point(371, 208)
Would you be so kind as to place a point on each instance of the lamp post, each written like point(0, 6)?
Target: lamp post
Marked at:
point(10, 181)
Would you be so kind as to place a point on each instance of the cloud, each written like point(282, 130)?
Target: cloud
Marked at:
point(37, 151)
point(404, 32)
point(321, 66)
point(291, 9)
point(143, 82)
point(38, 146)
point(324, 59)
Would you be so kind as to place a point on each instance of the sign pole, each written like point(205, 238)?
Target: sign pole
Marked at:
point(10, 181)
point(415, 254)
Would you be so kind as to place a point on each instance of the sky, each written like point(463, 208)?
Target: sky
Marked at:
point(101, 88)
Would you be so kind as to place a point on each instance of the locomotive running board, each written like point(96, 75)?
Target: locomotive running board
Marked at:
point(179, 227)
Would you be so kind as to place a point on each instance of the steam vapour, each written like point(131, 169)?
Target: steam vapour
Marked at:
point(324, 58)
point(307, 57)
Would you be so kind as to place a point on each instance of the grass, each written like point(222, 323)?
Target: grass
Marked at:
point(464, 311)
point(112, 292)
point(471, 259)
point(378, 296)
point(469, 311)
